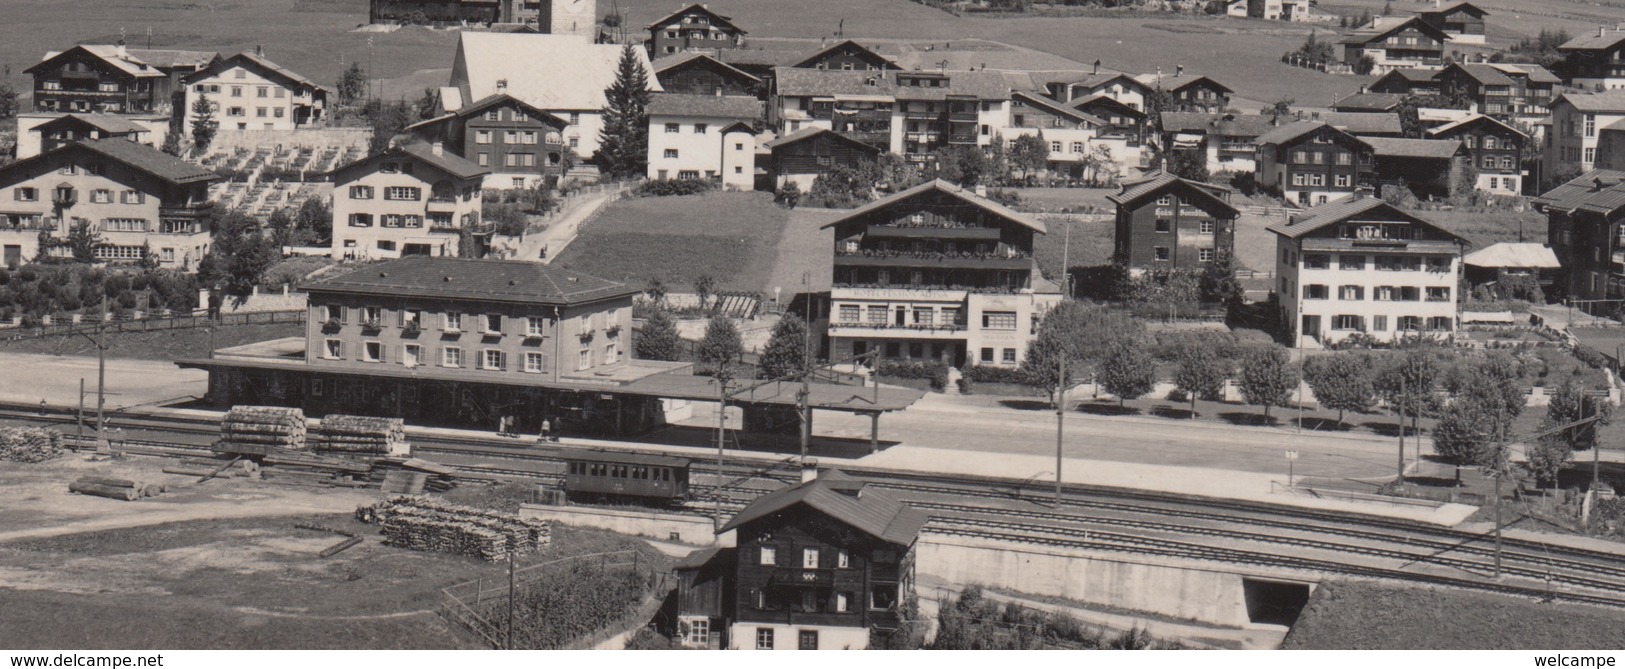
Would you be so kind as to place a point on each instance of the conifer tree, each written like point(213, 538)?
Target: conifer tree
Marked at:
point(204, 124)
point(624, 141)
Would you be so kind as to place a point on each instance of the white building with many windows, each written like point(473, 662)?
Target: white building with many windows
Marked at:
point(1578, 120)
point(249, 92)
point(416, 199)
point(1364, 267)
point(704, 137)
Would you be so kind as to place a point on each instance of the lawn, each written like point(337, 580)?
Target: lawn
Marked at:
point(1484, 228)
point(1358, 615)
point(1091, 244)
point(158, 345)
point(241, 583)
point(733, 237)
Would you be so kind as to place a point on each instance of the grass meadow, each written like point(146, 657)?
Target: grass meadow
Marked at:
point(1358, 615)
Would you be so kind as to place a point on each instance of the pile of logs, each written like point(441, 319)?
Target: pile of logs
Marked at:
point(29, 444)
point(411, 476)
point(259, 430)
point(360, 434)
point(124, 489)
point(424, 524)
point(205, 467)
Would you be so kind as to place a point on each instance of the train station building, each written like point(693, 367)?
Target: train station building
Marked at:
point(468, 343)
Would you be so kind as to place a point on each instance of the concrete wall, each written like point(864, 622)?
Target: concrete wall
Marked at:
point(229, 138)
point(688, 528)
point(1189, 592)
point(261, 301)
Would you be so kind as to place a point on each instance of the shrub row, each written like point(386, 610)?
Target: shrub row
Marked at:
point(934, 372)
point(665, 187)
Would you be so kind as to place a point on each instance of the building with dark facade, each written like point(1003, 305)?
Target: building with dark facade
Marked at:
point(1583, 227)
point(1462, 21)
point(825, 564)
point(694, 27)
point(521, 146)
point(693, 73)
point(1165, 222)
point(847, 55)
point(1495, 150)
point(1311, 163)
point(113, 78)
point(1430, 168)
point(1191, 92)
point(1595, 61)
point(801, 156)
point(1393, 43)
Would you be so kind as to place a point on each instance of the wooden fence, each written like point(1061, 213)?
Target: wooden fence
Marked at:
point(198, 319)
point(462, 601)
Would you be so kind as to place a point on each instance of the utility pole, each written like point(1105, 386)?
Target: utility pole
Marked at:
point(1066, 259)
point(722, 414)
point(512, 594)
point(79, 419)
point(1401, 470)
point(1060, 424)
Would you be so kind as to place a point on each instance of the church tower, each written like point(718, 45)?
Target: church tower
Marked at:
point(569, 17)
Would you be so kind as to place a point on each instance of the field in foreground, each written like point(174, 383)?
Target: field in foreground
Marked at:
point(1358, 615)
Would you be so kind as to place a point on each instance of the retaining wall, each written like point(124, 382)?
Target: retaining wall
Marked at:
point(1194, 592)
point(664, 526)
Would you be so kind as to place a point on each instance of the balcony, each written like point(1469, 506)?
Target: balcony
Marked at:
point(195, 210)
point(962, 138)
point(798, 577)
point(892, 330)
point(903, 291)
point(936, 260)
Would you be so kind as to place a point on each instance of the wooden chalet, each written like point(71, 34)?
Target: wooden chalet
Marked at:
point(701, 74)
point(803, 155)
point(846, 55)
point(1164, 221)
point(694, 27)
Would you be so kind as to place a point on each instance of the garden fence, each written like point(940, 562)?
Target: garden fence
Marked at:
point(198, 319)
point(462, 601)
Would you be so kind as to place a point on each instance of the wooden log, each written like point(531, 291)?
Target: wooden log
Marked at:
point(110, 492)
point(339, 547)
point(260, 428)
point(111, 483)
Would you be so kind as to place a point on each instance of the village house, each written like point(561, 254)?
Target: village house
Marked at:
point(138, 200)
point(1368, 102)
point(113, 79)
point(1595, 62)
point(1392, 44)
point(1364, 267)
point(913, 114)
point(1076, 145)
point(1407, 81)
point(1462, 21)
point(1165, 222)
point(1430, 168)
point(1119, 119)
point(802, 156)
point(1190, 92)
point(1227, 141)
point(1276, 10)
point(859, 105)
point(704, 136)
point(563, 75)
point(522, 146)
point(700, 74)
point(937, 273)
point(1310, 163)
point(1577, 121)
point(691, 28)
point(68, 128)
point(1491, 90)
point(415, 199)
point(553, 17)
point(1495, 150)
point(1118, 86)
point(826, 564)
point(846, 55)
point(249, 92)
point(1583, 217)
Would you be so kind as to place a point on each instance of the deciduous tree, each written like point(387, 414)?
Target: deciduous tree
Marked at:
point(624, 141)
point(1201, 373)
point(352, 85)
point(1030, 154)
point(1341, 381)
point(1078, 334)
point(721, 347)
point(239, 256)
point(1268, 378)
point(1569, 403)
point(1127, 370)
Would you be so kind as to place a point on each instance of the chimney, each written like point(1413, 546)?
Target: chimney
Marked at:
point(502, 84)
point(1179, 70)
point(1364, 89)
point(1602, 31)
point(121, 50)
point(1596, 184)
point(259, 50)
point(1159, 71)
point(437, 148)
point(809, 470)
point(1097, 66)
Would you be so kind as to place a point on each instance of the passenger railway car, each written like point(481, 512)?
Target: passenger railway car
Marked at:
point(650, 479)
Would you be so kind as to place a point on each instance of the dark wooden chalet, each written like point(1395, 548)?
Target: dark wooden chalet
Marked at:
point(1463, 21)
point(112, 78)
point(826, 564)
point(1585, 226)
point(701, 74)
point(1164, 222)
point(847, 55)
point(1191, 92)
point(1407, 81)
point(1408, 43)
point(502, 133)
point(1431, 168)
point(694, 27)
point(75, 127)
point(1494, 147)
point(1311, 163)
point(805, 154)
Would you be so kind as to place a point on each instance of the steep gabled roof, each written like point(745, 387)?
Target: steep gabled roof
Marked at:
point(1336, 212)
point(106, 53)
point(1474, 120)
point(1364, 123)
point(1102, 99)
point(1606, 101)
point(1600, 40)
point(109, 123)
point(1411, 76)
point(819, 54)
point(1177, 82)
point(814, 131)
point(555, 72)
point(479, 107)
point(519, 281)
point(1429, 149)
point(1454, 7)
point(257, 63)
point(668, 63)
point(1134, 191)
point(1048, 105)
point(1369, 102)
point(1293, 131)
point(1482, 73)
point(944, 187)
point(139, 157)
point(1535, 73)
point(1522, 255)
point(1096, 80)
point(716, 19)
point(738, 107)
point(850, 501)
point(444, 161)
point(1369, 36)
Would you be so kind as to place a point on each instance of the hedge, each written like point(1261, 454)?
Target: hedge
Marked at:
point(935, 372)
point(665, 187)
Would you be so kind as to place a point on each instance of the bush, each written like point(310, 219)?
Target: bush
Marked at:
point(666, 187)
point(935, 372)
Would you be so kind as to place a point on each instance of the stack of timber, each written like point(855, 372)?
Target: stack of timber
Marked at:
point(425, 524)
point(247, 469)
point(360, 434)
point(123, 489)
point(255, 430)
point(29, 444)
